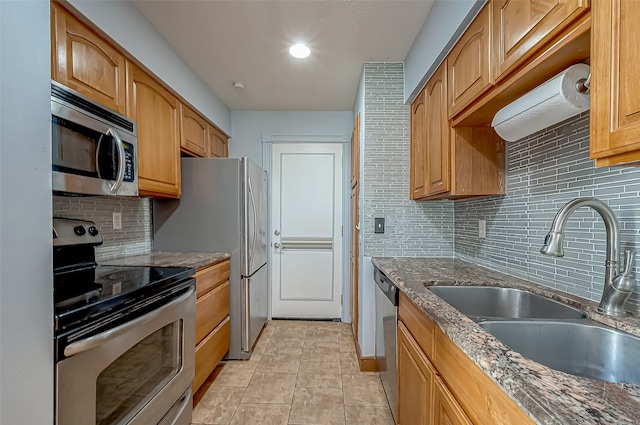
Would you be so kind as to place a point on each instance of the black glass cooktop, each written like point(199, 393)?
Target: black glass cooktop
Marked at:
point(88, 294)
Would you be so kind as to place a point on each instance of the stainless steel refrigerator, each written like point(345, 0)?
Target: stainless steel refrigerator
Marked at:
point(223, 207)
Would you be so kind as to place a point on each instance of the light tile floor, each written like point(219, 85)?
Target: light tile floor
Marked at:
point(300, 373)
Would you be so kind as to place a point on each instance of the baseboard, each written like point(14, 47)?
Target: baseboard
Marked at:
point(366, 364)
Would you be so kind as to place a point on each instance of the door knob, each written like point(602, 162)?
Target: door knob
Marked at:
point(277, 232)
point(276, 245)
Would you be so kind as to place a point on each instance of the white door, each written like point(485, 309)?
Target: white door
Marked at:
point(306, 211)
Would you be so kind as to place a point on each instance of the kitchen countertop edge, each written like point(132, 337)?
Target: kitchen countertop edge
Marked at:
point(546, 395)
point(196, 260)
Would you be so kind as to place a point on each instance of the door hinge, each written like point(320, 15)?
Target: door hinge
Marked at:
point(342, 231)
point(341, 299)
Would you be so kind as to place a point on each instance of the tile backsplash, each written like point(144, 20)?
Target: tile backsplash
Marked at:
point(545, 171)
point(412, 229)
point(135, 237)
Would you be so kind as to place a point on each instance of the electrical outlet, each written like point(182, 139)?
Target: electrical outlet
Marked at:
point(482, 229)
point(117, 220)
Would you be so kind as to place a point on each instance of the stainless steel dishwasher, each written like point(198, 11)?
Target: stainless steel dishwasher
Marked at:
point(386, 336)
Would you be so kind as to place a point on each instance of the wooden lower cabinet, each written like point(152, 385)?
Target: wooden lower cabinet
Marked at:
point(416, 379)
point(210, 351)
point(444, 386)
point(212, 320)
point(446, 411)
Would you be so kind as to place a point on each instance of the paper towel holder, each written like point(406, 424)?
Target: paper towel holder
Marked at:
point(584, 84)
point(559, 98)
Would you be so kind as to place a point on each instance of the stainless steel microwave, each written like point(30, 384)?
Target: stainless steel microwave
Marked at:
point(94, 149)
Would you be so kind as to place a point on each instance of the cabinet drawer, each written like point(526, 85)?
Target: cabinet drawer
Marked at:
point(210, 351)
point(211, 308)
point(210, 277)
point(420, 326)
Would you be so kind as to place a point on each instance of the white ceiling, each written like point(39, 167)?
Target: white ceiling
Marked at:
point(248, 41)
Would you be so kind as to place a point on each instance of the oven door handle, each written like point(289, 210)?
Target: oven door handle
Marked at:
point(87, 344)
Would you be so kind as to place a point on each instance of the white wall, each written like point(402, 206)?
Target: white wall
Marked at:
point(253, 131)
point(445, 23)
point(249, 128)
point(26, 282)
point(128, 27)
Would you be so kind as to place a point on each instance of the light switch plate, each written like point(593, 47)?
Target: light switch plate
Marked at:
point(379, 225)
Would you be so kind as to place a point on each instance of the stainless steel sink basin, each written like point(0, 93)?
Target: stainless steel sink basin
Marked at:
point(481, 302)
point(583, 348)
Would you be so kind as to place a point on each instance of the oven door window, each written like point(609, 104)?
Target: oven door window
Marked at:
point(134, 378)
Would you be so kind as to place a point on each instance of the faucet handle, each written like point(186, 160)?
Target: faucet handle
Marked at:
point(625, 282)
point(629, 261)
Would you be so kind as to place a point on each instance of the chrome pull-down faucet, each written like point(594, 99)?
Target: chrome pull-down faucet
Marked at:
point(617, 286)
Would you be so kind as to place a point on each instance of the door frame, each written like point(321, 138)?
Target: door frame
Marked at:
point(345, 140)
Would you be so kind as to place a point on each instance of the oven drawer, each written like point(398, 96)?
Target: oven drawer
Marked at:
point(211, 309)
point(210, 351)
point(211, 277)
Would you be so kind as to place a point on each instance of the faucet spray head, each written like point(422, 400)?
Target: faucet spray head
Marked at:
point(553, 244)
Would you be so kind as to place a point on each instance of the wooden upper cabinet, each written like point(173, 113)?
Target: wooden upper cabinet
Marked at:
point(218, 143)
point(615, 82)
point(469, 63)
point(417, 177)
point(157, 113)
point(85, 62)
point(437, 133)
point(522, 27)
point(195, 133)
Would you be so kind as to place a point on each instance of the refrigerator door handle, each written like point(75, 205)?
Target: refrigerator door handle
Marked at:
point(255, 226)
point(246, 316)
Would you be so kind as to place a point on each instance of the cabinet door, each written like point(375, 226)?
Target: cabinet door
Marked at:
point(469, 64)
point(615, 82)
point(522, 27)
point(417, 184)
point(416, 380)
point(195, 133)
point(218, 143)
point(437, 134)
point(84, 62)
point(446, 410)
point(157, 113)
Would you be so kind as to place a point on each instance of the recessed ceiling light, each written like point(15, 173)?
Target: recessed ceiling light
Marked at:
point(299, 51)
point(238, 85)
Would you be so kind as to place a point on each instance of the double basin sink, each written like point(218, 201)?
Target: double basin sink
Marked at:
point(549, 332)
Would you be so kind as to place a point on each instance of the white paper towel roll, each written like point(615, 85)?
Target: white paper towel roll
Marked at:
point(548, 104)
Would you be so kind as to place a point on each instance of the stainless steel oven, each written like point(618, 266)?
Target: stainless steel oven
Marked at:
point(94, 149)
point(131, 373)
point(124, 337)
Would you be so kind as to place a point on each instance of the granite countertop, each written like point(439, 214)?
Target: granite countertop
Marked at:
point(546, 395)
point(171, 259)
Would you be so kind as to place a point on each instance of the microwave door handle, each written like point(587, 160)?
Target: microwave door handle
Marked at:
point(121, 162)
point(86, 344)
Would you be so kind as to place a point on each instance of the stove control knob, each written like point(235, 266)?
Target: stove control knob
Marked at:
point(79, 230)
point(93, 230)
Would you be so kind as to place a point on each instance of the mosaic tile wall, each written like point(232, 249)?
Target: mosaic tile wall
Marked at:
point(546, 170)
point(135, 237)
point(412, 229)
